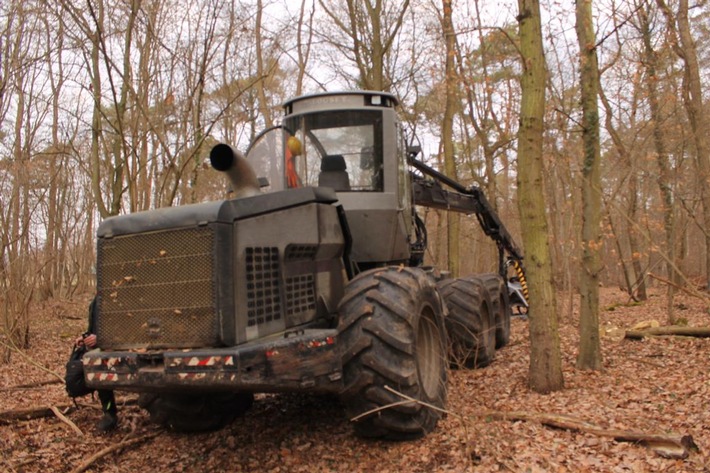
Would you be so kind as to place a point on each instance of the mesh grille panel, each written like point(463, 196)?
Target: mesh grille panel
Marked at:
point(263, 287)
point(157, 289)
point(300, 252)
point(300, 294)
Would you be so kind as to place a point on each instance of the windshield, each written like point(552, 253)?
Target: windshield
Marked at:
point(339, 149)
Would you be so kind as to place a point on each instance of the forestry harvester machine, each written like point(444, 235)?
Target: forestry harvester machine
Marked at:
point(309, 278)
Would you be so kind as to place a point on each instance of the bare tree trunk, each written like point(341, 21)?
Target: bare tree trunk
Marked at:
point(94, 67)
point(142, 121)
point(303, 48)
point(545, 373)
point(447, 134)
point(262, 74)
point(19, 270)
point(589, 344)
point(638, 289)
point(664, 164)
point(56, 158)
point(693, 101)
point(368, 40)
point(633, 275)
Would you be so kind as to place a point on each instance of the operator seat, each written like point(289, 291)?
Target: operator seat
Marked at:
point(333, 173)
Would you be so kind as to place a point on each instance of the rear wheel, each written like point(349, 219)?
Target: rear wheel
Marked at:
point(391, 327)
point(195, 413)
point(470, 325)
point(500, 306)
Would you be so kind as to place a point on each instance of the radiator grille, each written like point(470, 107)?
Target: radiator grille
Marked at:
point(263, 286)
point(156, 290)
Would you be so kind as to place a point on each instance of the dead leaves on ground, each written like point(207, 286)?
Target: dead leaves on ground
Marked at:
point(655, 385)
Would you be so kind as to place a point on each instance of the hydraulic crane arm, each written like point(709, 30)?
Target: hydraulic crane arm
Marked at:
point(471, 200)
point(468, 200)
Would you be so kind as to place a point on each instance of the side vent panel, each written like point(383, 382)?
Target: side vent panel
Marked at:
point(263, 285)
point(300, 294)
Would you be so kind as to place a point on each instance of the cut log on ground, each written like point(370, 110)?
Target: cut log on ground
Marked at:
point(702, 332)
point(29, 413)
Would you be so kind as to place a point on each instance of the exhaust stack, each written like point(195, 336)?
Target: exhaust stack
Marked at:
point(240, 173)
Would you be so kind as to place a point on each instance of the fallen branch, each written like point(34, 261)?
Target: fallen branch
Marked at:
point(64, 419)
point(36, 412)
point(29, 413)
point(693, 292)
point(18, 466)
point(665, 446)
point(112, 448)
point(36, 384)
point(702, 332)
point(378, 409)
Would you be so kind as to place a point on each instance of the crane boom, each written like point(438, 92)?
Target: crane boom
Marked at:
point(468, 200)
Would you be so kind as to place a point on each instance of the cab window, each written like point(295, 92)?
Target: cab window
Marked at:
point(338, 149)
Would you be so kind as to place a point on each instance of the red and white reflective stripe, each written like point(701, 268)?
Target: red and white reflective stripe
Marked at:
point(107, 377)
point(320, 343)
point(110, 362)
point(209, 361)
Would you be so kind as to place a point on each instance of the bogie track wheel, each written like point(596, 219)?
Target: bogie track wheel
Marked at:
point(470, 325)
point(500, 306)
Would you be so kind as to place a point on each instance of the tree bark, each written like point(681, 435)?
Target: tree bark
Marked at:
point(684, 47)
point(447, 134)
point(589, 345)
point(693, 99)
point(303, 45)
point(662, 159)
point(262, 74)
point(545, 373)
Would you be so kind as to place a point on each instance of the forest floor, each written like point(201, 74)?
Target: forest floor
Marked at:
point(656, 386)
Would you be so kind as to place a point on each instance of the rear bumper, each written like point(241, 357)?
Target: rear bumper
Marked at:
point(308, 361)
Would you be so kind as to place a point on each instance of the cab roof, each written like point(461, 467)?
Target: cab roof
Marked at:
point(340, 100)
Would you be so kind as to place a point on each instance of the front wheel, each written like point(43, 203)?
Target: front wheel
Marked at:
point(394, 341)
point(195, 413)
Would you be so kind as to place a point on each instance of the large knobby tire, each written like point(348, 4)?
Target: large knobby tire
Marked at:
point(500, 306)
point(392, 332)
point(195, 413)
point(470, 324)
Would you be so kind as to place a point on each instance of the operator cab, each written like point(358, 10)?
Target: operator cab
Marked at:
point(352, 143)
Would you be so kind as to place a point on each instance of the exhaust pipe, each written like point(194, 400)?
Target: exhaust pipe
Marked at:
point(240, 173)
